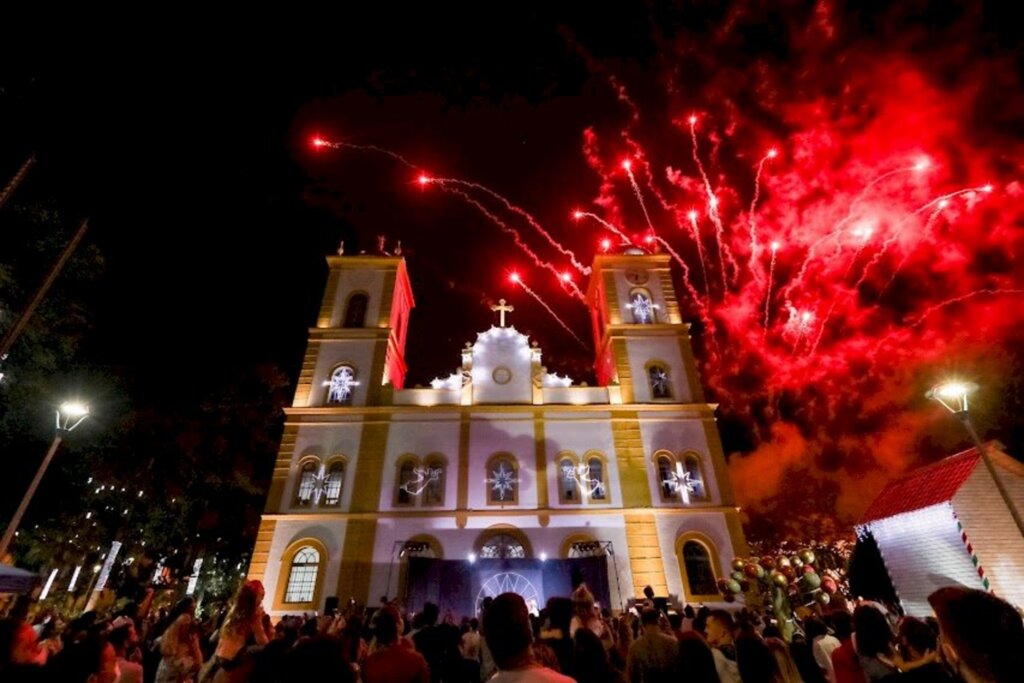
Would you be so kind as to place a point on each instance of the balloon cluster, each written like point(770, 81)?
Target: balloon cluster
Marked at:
point(793, 577)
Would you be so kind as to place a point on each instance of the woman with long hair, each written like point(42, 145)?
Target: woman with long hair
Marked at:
point(242, 628)
point(874, 641)
point(181, 656)
point(696, 663)
point(784, 659)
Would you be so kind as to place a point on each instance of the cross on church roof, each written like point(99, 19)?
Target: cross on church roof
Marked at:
point(502, 309)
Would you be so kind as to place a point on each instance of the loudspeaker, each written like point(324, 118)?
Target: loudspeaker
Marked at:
point(331, 604)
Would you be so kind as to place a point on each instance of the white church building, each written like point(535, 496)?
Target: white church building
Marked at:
point(500, 463)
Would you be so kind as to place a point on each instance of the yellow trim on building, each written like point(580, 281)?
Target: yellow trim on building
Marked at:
point(645, 557)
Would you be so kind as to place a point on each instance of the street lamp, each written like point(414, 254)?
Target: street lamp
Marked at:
point(953, 396)
point(69, 415)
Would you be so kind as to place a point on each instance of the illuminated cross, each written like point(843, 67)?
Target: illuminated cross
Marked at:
point(502, 309)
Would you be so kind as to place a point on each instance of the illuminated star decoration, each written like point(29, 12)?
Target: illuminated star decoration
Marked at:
point(642, 308)
point(320, 481)
point(679, 482)
point(580, 474)
point(503, 481)
point(342, 384)
point(659, 382)
point(424, 476)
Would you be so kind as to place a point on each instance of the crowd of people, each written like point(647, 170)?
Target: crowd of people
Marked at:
point(974, 637)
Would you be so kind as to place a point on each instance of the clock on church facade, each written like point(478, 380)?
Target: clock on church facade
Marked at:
point(498, 467)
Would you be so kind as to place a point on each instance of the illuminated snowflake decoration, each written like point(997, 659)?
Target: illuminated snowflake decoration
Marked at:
point(343, 383)
point(580, 474)
point(423, 477)
point(643, 309)
point(503, 481)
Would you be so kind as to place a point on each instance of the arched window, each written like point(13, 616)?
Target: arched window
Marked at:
point(504, 547)
point(568, 491)
point(406, 479)
point(666, 472)
point(596, 486)
point(691, 465)
point(433, 487)
point(355, 310)
point(302, 576)
point(342, 385)
point(502, 481)
point(700, 573)
point(333, 481)
point(661, 385)
point(307, 483)
point(642, 307)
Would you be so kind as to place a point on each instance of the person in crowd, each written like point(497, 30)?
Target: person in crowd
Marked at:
point(393, 662)
point(755, 661)
point(20, 653)
point(123, 640)
point(242, 628)
point(182, 657)
point(487, 666)
point(823, 645)
point(151, 651)
point(585, 615)
point(49, 637)
point(675, 624)
point(555, 633)
point(982, 636)
point(845, 663)
point(90, 659)
point(916, 654)
point(874, 642)
point(789, 673)
point(654, 655)
point(803, 657)
point(700, 620)
point(506, 627)
point(719, 632)
point(590, 660)
point(317, 658)
point(696, 663)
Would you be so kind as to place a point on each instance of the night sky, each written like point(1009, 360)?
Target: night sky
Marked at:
point(186, 141)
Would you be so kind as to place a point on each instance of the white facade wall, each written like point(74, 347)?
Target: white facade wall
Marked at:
point(991, 530)
point(578, 435)
point(421, 435)
point(333, 352)
point(665, 350)
point(369, 281)
point(325, 442)
point(676, 434)
point(923, 552)
point(330, 533)
point(654, 287)
point(505, 348)
point(492, 433)
point(711, 526)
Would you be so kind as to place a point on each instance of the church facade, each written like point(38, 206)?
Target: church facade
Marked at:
point(500, 459)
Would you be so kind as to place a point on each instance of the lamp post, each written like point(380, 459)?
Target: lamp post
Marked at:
point(69, 415)
point(953, 396)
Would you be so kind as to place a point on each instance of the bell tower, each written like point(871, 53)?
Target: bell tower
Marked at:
point(641, 341)
point(356, 352)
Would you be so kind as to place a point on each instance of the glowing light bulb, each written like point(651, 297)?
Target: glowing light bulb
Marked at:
point(577, 214)
point(514, 277)
point(319, 142)
point(423, 179)
point(772, 153)
point(627, 164)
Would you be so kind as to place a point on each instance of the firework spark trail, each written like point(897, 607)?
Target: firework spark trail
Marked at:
point(754, 250)
point(768, 294)
point(319, 142)
point(963, 297)
point(516, 279)
point(724, 253)
point(606, 224)
point(520, 212)
point(906, 256)
point(639, 195)
point(537, 261)
point(692, 215)
point(901, 226)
